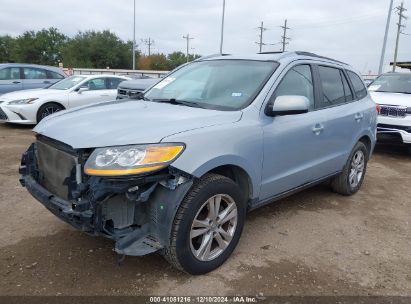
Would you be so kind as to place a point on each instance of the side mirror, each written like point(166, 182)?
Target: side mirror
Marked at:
point(82, 89)
point(288, 105)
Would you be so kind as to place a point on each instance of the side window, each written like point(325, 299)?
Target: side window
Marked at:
point(112, 83)
point(32, 73)
point(96, 84)
point(359, 88)
point(332, 87)
point(10, 74)
point(298, 81)
point(347, 90)
point(54, 75)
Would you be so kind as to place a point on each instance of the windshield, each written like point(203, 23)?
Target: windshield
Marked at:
point(218, 84)
point(67, 83)
point(395, 83)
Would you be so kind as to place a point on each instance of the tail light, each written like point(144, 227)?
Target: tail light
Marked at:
point(378, 108)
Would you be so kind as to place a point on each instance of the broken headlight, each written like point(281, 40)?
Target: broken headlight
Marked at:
point(131, 160)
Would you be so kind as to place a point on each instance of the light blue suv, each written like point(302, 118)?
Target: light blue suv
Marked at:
point(177, 170)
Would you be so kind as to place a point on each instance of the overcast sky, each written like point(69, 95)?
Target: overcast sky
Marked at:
point(348, 30)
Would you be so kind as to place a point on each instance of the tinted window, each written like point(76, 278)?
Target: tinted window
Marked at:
point(10, 74)
point(96, 84)
point(112, 83)
point(347, 90)
point(54, 75)
point(359, 88)
point(31, 73)
point(332, 86)
point(298, 81)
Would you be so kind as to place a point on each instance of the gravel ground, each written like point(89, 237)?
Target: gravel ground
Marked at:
point(313, 243)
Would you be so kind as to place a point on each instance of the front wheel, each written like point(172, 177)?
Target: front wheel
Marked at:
point(208, 225)
point(352, 177)
point(48, 109)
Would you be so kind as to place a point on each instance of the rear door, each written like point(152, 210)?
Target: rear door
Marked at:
point(96, 92)
point(10, 80)
point(35, 78)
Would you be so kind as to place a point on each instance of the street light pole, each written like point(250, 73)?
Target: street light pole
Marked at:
point(134, 37)
point(222, 29)
point(384, 45)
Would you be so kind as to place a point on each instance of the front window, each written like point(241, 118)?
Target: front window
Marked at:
point(67, 83)
point(218, 84)
point(392, 83)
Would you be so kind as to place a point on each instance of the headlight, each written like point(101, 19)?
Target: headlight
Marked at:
point(131, 160)
point(22, 101)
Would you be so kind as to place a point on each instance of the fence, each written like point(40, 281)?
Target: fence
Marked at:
point(78, 71)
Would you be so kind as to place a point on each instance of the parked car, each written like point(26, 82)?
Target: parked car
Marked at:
point(131, 88)
point(392, 92)
point(31, 106)
point(16, 77)
point(176, 171)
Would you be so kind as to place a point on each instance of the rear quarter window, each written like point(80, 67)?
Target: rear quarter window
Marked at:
point(358, 84)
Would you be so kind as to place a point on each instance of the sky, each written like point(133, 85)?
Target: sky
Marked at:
point(350, 30)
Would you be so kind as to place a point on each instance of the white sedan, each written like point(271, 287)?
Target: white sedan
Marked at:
point(31, 106)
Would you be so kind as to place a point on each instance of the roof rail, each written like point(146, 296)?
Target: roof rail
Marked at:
point(211, 56)
point(308, 54)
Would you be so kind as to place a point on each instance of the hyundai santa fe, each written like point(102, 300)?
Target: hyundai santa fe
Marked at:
point(176, 170)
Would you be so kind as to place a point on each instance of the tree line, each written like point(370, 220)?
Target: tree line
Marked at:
point(89, 49)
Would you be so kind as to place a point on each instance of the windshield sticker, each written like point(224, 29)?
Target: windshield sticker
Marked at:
point(374, 87)
point(164, 83)
point(237, 94)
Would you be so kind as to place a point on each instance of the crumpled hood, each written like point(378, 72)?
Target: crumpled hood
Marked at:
point(25, 94)
point(395, 99)
point(127, 122)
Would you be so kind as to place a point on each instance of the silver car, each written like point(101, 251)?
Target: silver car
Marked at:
point(16, 76)
point(177, 170)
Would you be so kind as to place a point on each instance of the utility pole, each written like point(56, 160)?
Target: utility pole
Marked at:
point(400, 10)
point(222, 29)
point(284, 38)
point(384, 45)
point(188, 38)
point(261, 42)
point(134, 37)
point(149, 42)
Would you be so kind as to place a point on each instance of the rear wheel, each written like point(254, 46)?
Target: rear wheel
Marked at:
point(352, 177)
point(48, 109)
point(208, 225)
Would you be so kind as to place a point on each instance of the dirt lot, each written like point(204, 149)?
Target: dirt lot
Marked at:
point(313, 243)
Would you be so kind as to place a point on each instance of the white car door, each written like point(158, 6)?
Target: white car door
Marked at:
point(92, 91)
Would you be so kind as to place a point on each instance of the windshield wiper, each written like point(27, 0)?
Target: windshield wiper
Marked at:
point(179, 102)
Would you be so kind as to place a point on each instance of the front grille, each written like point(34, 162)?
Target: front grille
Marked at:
point(122, 92)
point(393, 111)
point(382, 127)
point(3, 115)
point(56, 169)
point(128, 93)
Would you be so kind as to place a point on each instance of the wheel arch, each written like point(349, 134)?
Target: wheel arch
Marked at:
point(47, 103)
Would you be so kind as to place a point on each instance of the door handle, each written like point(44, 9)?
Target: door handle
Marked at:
point(16, 82)
point(317, 129)
point(359, 116)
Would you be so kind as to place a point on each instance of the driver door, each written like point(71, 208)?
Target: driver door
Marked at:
point(92, 91)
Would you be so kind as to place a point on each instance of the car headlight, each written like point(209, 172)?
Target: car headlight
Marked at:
point(23, 101)
point(131, 160)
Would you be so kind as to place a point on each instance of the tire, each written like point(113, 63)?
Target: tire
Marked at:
point(347, 184)
point(48, 109)
point(184, 251)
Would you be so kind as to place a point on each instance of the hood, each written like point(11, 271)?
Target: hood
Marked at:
point(35, 93)
point(139, 84)
point(395, 99)
point(128, 122)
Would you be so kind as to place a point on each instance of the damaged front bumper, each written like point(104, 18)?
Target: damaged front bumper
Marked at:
point(136, 212)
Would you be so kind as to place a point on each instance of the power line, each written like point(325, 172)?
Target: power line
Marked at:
point(401, 17)
point(149, 42)
point(384, 46)
point(284, 39)
point(261, 41)
point(188, 38)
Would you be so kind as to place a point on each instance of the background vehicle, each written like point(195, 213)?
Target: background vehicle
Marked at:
point(392, 92)
point(177, 171)
point(31, 106)
point(16, 77)
point(129, 89)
